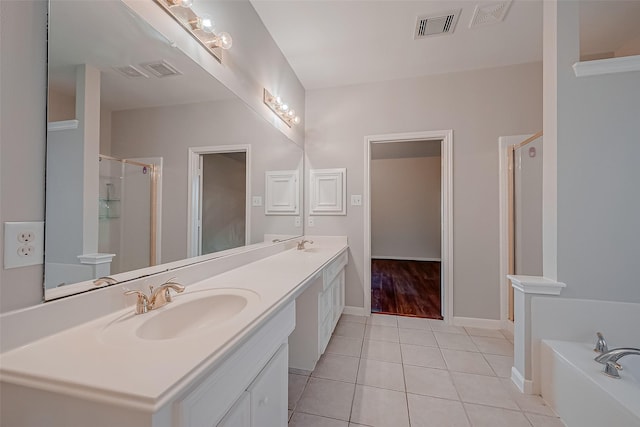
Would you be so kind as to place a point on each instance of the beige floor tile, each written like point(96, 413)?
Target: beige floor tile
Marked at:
point(483, 390)
point(337, 367)
point(413, 323)
point(377, 407)
point(382, 333)
point(327, 398)
point(482, 332)
point(381, 374)
point(455, 341)
point(417, 337)
point(427, 411)
point(527, 402)
point(296, 387)
point(485, 416)
point(501, 365)
point(350, 329)
point(382, 320)
point(489, 345)
point(307, 420)
point(418, 355)
point(466, 361)
point(381, 350)
point(538, 420)
point(441, 326)
point(345, 346)
point(429, 382)
point(353, 318)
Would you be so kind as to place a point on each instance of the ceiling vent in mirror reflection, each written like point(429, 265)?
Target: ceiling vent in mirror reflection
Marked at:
point(435, 25)
point(489, 14)
point(161, 69)
point(281, 108)
point(200, 26)
point(130, 71)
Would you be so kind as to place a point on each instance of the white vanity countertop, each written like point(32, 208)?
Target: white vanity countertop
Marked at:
point(122, 369)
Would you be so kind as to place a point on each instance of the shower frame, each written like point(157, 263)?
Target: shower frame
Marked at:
point(153, 217)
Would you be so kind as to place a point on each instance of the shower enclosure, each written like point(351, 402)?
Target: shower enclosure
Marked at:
point(128, 210)
point(525, 210)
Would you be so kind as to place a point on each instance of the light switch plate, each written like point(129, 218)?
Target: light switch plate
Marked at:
point(257, 201)
point(297, 222)
point(311, 222)
point(23, 244)
point(356, 200)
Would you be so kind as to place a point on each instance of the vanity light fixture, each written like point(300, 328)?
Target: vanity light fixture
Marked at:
point(201, 27)
point(281, 108)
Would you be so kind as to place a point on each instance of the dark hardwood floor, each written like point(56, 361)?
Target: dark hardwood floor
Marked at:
point(408, 288)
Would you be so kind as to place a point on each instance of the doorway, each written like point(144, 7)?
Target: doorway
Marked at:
point(374, 268)
point(219, 199)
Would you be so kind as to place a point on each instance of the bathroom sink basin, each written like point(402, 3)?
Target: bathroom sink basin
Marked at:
point(183, 319)
point(190, 314)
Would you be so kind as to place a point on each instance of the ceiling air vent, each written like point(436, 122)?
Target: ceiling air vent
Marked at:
point(130, 71)
point(489, 14)
point(161, 69)
point(442, 23)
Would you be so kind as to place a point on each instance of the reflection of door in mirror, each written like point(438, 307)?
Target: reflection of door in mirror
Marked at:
point(222, 213)
point(223, 201)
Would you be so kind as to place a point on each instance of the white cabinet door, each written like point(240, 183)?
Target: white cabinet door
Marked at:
point(240, 414)
point(269, 392)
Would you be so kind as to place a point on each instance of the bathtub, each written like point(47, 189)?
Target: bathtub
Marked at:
point(572, 383)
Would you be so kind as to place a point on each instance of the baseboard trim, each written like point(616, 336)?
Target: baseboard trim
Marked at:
point(355, 311)
point(406, 258)
point(473, 322)
point(525, 386)
point(508, 325)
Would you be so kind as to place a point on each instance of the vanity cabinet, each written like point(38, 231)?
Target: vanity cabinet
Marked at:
point(318, 310)
point(265, 401)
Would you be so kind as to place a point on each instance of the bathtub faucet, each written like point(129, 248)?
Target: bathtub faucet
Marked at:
point(601, 345)
point(611, 357)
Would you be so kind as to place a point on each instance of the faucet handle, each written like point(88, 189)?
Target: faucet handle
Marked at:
point(142, 303)
point(611, 369)
point(601, 344)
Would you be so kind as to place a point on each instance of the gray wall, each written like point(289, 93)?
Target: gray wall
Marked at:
point(254, 62)
point(405, 208)
point(23, 77)
point(596, 133)
point(479, 106)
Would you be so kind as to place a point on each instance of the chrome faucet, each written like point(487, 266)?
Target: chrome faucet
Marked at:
point(601, 344)
point(301, 244)
point(157, 298)
point(611, 357)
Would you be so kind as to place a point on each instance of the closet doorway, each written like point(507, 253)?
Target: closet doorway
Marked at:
point(219, 199)
point(408, 224)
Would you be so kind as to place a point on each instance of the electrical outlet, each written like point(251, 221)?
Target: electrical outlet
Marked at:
point(23, 243)
point(256, 201)
point(356, 200)
point(311, 222)
point(297, 222)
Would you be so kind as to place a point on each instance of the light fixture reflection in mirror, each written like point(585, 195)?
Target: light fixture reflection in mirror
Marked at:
point(201, 27)
point(281, 108)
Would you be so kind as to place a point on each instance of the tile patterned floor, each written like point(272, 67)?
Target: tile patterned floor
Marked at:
point(388, 371)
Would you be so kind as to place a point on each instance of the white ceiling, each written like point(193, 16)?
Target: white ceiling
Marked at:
point(341, 42)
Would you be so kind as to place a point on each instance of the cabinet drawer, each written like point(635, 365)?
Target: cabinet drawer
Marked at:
point(334, 268)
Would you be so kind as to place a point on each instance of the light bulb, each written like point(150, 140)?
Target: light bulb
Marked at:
point(291, 113)
point(278, 100)
point(296, 120)
point(205, 23)
point(186, 3)
point(284, 107)
point(224, 40)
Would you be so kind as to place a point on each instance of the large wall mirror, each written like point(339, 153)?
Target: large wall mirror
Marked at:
point(150, 160)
